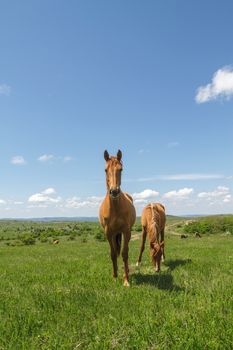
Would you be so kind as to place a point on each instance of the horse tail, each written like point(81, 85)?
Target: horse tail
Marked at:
point(118, 243)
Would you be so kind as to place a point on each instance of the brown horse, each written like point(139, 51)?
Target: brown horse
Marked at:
point(117, 213)
point(153, 222)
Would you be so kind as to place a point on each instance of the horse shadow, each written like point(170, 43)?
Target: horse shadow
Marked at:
point(173, 264)
point(161, 280)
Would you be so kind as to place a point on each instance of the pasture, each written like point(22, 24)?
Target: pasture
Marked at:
point(63, 296)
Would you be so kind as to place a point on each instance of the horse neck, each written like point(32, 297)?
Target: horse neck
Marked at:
point(114, 204)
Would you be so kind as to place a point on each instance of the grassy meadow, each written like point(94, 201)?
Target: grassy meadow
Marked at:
point(63, 296)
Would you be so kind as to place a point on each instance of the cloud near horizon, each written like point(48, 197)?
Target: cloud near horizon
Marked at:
point(144, 197)
point(44, 197)
point(221, 193)
point(77, 202)
point(177, 202)
point(221, 86)
point(183, 193)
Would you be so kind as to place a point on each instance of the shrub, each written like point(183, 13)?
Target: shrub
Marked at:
point(71, 238)
point(137, 228)
point(100, 236)
point(27, 239)
point(43, 238)
point(210, 225)
point(16, 243)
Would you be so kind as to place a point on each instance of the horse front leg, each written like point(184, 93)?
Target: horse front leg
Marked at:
point(144, 233)
point(125, 253)
point(113, 253)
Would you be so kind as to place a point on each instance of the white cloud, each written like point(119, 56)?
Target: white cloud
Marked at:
point(183, 193)
point(221, 193)
point(77, 202)
point(140, 202)
point(221, 86)
point(227, 198)
point(5, 90)
point(18, 160)
point(146, 194)
point(44, 197)
point(46, 157)
point(73, 202)
point(37, 206)
point(2, 201)
point(49, 190)
point(18, 203)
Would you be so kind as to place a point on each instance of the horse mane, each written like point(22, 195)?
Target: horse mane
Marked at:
point(154, 214)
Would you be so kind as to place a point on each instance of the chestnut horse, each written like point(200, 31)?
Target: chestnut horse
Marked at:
point(153, 222)
point(117, 213)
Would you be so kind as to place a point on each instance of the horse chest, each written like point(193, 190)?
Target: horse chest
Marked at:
point(114, 224)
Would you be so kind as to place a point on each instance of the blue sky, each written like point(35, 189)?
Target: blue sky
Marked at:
point(153, 78)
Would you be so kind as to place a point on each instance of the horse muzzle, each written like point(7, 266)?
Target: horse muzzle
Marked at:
point(114, 192)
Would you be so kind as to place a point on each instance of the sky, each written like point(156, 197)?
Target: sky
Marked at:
point(152, 78)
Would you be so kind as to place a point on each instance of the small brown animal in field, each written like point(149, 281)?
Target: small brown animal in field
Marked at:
point(153, 223)
point(197, 235)
point(56, 241)
point(183, 236)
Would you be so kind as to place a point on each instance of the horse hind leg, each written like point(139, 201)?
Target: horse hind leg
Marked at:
point(144, 233)
point(162, 248)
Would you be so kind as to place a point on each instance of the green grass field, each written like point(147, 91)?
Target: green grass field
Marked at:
point(63, 296)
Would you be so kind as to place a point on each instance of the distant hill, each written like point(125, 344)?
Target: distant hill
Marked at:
point(76, 218)
point(95, 219)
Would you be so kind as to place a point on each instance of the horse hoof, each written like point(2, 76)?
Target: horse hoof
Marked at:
point(126, 284)
point(137, 263)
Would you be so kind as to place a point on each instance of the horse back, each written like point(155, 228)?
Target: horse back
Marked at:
point(158, 215)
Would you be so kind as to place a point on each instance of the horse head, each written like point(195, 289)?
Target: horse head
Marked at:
point(113, 171)
point(156, 253)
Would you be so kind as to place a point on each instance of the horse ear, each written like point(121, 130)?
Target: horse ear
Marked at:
point(119, 155)
point(106, 155)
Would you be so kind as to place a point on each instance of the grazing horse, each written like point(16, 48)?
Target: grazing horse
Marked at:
point(117, 213)
point(153, 222)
